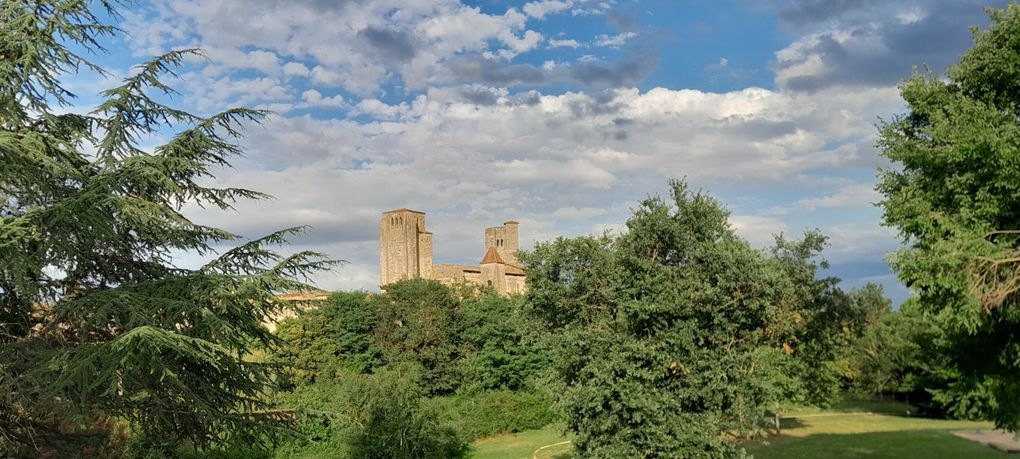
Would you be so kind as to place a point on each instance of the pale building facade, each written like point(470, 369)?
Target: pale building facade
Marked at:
point(405, 252)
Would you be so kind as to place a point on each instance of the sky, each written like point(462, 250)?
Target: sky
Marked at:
point(561, 114)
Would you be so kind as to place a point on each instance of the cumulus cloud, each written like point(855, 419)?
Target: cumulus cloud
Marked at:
point(621, 73)
point(473, 156)
point(397, 45)
point(295, 69)
point(363, 46)
point(542, 8)
point(614, 41)
point(866, 43)
point(853, 195)
point(759, 231)
point(416, 104)
point(489, 71)
point(574, 44)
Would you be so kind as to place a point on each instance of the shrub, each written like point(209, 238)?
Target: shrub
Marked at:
point(492, 412)
point(369, 416)
point(322, 342)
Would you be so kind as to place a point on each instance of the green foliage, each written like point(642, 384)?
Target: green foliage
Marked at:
point(488, 413)
point(124, 332)
point(888, 356)
point(369, 416)
point(419, 324)
point(450, 342)
point(671, 336)
point(330, 339)
point(475, 349)
point(829, 353)
point(955, 197)
point(506, 351)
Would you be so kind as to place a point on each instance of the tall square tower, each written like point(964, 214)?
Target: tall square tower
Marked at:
point(405, 247)
point(505, 239)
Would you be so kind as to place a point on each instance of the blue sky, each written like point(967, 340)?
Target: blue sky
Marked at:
point(561, 114)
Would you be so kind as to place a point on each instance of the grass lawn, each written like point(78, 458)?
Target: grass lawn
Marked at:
point(835, 434)
point(852, 430)
point(524, 444)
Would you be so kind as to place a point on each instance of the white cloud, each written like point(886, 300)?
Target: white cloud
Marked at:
point(575, 213)
point(857, 194)
point(759, 231)
point(379, 109)
point(873, 44)
point(859, 241)
point(295, 69)
point(313, 98)
point(556, 159)
point(326, 77)
point(409, 132)
point(540, 9)
point(614, 41)
point(564, 44)
point(332, 35)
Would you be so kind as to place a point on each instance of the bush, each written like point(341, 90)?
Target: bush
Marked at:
point(322, 342)
point(489, 413)
point(369, 416)
point(505, 351)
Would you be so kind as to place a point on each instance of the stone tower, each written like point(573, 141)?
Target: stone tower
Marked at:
point(505, 240)
point(405, 247)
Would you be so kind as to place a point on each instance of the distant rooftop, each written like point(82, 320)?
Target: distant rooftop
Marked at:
point(491, 256)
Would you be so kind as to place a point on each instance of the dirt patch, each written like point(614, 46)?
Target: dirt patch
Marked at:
point(998, 439)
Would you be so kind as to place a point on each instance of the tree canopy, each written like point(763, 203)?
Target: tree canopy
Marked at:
point(674, 337)
point(95, 317)
point(954, 194)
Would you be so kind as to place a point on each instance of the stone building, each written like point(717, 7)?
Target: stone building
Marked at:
point(405, 252)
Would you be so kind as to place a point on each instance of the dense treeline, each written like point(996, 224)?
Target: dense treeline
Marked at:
point(452, 364)
point(675, 338)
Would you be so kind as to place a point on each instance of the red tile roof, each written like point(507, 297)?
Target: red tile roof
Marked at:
point(491, 256)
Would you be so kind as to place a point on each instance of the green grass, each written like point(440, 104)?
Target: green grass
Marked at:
point(852, 430)
point(523, 445)
point(844, 433)
point(874, 445)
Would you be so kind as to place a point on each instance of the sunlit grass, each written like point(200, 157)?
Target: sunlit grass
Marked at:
point(870, 429)
point(852, 430)
point(523, 445)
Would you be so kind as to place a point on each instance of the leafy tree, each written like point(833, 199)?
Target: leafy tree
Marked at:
point(419, 323)
point(88, 222)
point(505, 352)
point(671, 335)
point(955, 197)
point(337, 336)
point(828, 348)
point(888, 357)
point(395, 422)
point(383, 415)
